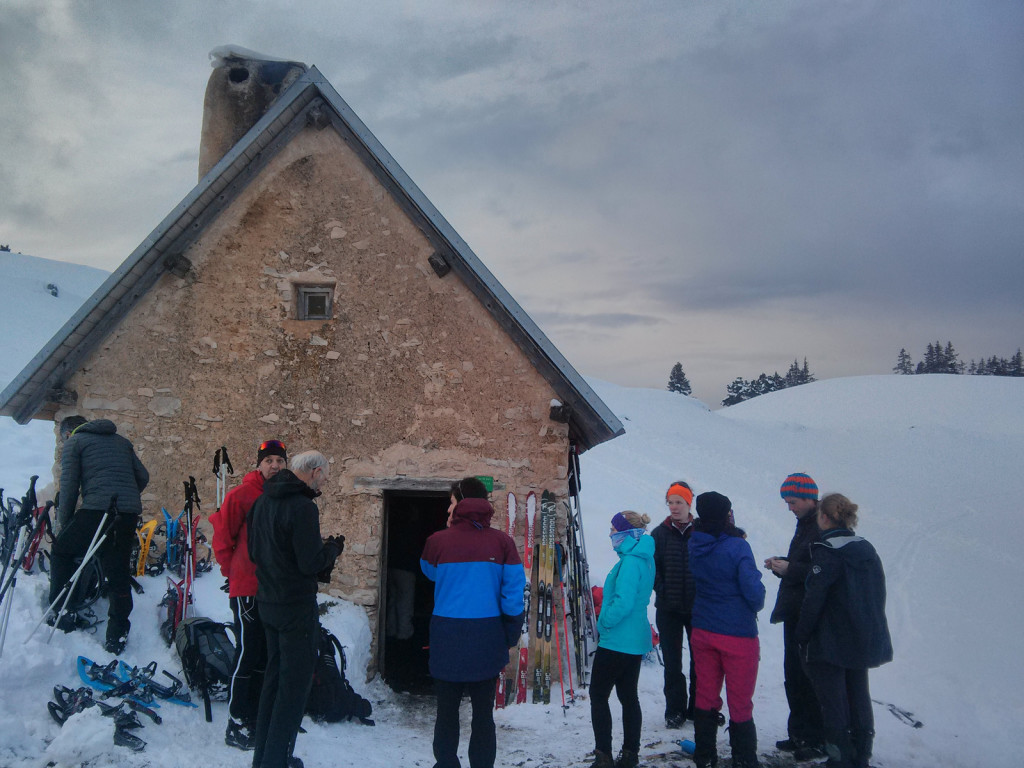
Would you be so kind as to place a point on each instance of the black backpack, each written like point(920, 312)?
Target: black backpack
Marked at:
point(207, 658)
point(331, 698)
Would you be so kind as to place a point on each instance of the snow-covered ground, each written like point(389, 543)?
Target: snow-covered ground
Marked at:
point(933, 462)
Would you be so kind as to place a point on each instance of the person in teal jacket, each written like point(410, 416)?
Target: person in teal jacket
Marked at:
point(624, 637)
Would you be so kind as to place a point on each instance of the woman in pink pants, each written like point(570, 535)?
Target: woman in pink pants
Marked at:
point(725, 644)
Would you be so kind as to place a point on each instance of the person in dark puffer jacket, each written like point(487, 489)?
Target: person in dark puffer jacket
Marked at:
point(291, 559)
point(843, 631)
point(805, 740)
point(674, 590)
point(98, 464)
point(231, 547)
point(478, 615)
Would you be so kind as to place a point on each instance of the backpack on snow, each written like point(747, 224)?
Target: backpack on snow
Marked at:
point(207, 658)
point(331, 698)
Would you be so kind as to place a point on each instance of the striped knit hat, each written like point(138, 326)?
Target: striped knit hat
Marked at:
point(799, 486)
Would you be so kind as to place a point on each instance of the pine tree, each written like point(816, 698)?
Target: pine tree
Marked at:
point(1017, 364)
point(677, 381)
point(904, 365)
point(806, 377)
point(738, 391)
point(793, 375)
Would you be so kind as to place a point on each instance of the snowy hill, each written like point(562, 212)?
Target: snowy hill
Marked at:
point(933, 462)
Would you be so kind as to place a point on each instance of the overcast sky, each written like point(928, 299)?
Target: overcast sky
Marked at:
point(731, 185)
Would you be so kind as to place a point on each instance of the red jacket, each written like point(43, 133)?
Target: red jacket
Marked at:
point(230, 540)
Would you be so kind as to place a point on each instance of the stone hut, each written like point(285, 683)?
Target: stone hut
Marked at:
point(306, 290)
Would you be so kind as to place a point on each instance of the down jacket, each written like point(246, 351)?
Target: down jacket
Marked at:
point(623, 624)
point(674, 586)
point(729, 587)
point(478, 595)
point(98, 463)
point(842, 621)
point(284, 541)
point(230, 536)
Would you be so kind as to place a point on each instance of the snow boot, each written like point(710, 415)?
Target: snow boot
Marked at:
point(627, 759)
point(839, 749)
point(239, 736)
point(743, 742)
point(674, 720)
point(705, 737)
point(863, 741)
point(602, 760)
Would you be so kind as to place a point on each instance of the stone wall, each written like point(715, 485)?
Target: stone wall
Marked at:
point(412, 377)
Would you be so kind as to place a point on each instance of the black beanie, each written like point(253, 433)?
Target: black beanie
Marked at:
point(271, 448)
point(713, 510)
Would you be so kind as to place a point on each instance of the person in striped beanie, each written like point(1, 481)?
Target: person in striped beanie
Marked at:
point(805, 736)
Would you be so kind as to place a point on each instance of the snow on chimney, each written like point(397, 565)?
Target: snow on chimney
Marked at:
point(241, 89)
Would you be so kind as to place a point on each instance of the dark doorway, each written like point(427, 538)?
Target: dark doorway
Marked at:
point(408, 596)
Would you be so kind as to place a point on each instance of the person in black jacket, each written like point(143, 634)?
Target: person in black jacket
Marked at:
point(843, 632)
point(674, 589)
point(98, 464)
point(800, 493)
point(284, 542)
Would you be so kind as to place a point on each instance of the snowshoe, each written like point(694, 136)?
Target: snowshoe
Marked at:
point(175, 692)
point(125, 738)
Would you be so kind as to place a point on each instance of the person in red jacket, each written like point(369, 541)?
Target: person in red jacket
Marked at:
point(232, 551)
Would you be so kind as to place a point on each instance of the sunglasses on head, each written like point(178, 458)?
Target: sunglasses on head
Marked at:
point(272, 444)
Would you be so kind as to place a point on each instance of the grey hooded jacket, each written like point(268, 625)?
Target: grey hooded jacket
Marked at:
point(97, 463)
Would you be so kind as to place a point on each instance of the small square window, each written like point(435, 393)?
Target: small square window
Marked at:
point(314, 302)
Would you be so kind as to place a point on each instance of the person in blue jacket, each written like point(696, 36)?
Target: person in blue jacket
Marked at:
point(478, 614)
point(725, 644)
point(624, 637)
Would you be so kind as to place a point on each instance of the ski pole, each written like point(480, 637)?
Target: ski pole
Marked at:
point(69, 588)
point(98, 537)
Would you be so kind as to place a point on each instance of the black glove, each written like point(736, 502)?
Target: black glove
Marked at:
point(338, 541)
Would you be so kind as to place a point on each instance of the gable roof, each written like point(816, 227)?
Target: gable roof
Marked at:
point(310, 100)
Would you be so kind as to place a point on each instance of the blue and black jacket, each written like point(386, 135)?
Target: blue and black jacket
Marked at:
point(478, 595)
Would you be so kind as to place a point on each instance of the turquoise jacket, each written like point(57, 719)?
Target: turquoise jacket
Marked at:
point(623, 623)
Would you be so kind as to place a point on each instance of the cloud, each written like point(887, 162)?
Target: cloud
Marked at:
point(722, 182)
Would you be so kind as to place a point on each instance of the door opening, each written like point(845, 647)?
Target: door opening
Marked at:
point(408, 598)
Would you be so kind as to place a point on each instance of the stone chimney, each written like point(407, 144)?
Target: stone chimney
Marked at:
point(241, 89)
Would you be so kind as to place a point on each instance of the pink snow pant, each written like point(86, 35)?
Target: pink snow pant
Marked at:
point(733, 659)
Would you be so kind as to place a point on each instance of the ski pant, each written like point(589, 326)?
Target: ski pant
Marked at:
point(732, 659)
point(804, 712)
point(845, 708)
point(250, 661)
point(293, 634)
point(114, 556)
point(482, 741)
point(672, 627)
point(401, 603)
point(620, 671)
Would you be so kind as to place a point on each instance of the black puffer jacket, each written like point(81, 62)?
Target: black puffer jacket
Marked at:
point(284, 540)
point(674, 587)
point(791, 590)
point(842, 620)
point(98, 463)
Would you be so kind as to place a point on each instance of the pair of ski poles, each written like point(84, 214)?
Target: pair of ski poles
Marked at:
point(98, 538)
